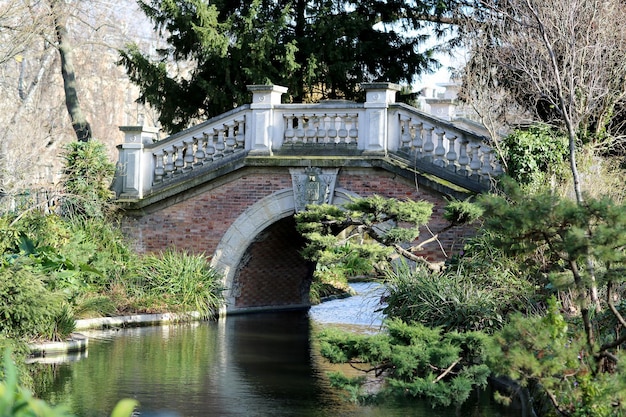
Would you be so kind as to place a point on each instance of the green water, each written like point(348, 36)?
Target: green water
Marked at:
point(251, 365)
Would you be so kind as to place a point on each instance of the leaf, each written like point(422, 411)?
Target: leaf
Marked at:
point(124, 408)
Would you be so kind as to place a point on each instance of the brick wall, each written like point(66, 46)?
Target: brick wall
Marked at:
point(199, 222)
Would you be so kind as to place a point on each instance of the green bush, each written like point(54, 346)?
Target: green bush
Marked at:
point(411, 360)
point(27, 308)
point(184, 282)
point(87, 176)
point(533, 155)
point(549, 352)
point(444, 300)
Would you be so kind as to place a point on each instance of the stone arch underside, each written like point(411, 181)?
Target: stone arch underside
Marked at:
point(262, 234)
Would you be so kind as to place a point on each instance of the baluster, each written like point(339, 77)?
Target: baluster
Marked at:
point(440, 150)
point(169, 163)
point(463, 158)
point(497, 169)
point(179, 163)
point(486, 168)
point(310, 129)
point(451, 155)
point(429, 146)
point(188, 154)
point(353, 133)
point(475, 162)
point(321, 129)
point(332, 128)
point(159, 170)
point(405, 133)
point(240, 138)
point(418, 142)
point(300, 130)
point(219, 144)
point(200, 149)
point(343, 132)
point(210, 148)
point(230, 140)
point(289, 132)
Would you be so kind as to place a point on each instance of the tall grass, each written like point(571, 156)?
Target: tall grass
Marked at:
point(476, 291)
point(182, 281)
point(441, 300)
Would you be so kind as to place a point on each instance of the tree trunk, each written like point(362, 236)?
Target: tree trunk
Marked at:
point(79, 122)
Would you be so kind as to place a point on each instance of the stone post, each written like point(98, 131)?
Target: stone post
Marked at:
point(264, 132)
point(135, 166)
point(444, 106)
point(378, 96)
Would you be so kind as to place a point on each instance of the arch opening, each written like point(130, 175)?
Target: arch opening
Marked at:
point(272, 272)
point(232, 254)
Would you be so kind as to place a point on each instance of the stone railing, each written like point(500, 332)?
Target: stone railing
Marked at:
point(440, 143)
point(266, 127)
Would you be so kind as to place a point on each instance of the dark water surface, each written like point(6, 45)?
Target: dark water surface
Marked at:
point(251, 365)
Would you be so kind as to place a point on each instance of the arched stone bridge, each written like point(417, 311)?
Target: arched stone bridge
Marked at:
point(229, 187)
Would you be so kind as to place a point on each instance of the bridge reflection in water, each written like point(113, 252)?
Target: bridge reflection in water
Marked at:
point(263, 364)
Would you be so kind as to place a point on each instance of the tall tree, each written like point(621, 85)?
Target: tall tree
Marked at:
point(317, 48)
point(35, 117)
point(79, 121)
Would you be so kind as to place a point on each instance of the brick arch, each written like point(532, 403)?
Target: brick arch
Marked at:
point(263, 222)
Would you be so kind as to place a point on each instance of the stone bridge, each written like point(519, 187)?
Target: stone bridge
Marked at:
point(229, 187)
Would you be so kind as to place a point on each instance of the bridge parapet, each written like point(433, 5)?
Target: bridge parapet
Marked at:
point(440, 146)
point(377, 128)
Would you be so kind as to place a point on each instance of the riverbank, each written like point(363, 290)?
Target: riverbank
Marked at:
point(79, 342)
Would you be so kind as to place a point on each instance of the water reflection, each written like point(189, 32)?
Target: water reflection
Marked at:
point(252, 365)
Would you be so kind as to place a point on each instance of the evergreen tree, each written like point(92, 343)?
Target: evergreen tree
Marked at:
point(317, 48)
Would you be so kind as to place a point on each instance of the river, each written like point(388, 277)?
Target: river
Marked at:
point(250, 365)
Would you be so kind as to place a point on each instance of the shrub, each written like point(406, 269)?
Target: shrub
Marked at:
point(412, 360)
point(27, 308)
point(184, 282)
point(87, 176)
point(533, 155)
point(549, 353)
point(443, 300)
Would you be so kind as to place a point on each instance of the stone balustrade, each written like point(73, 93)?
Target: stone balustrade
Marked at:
point(378, 127)
point(444, 145)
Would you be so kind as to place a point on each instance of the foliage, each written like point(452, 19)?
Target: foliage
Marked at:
point(86, 179)
point(359, 239)
point(544, 351)
point(352, 241)
point(535, 154)
point(16, 401)
point(184, 282)
point(103, 247)
point(476, 290)
point(319, 50)
point(462, 212)
point(363, 222)
point(448, 301)
point(583, 247)
point(27, 308)
point(412, 360)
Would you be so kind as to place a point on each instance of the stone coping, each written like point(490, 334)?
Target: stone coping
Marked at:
point(79, 342)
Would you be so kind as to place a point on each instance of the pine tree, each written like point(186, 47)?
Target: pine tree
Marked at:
point(319, 49)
